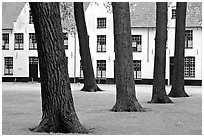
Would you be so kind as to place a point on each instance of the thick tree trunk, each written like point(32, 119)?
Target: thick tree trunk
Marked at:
point(125, 87)
point(58, 112)
point(159, 93)
point(89, 78)
point(177, 89)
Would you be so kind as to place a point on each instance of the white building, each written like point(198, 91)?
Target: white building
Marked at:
point(19, 61)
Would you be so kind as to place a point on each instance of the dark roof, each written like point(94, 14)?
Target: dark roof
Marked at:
point(143, 14)
point(10, 12)
point(86, 4)
point(194, 14)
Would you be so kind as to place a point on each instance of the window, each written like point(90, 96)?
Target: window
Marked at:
point(173, 13)
point(8, 65)
point(32, 41)
point(137, 69)
point(137, 43)
point(33, 60)
point(65, 40)
point(67, 61)
point(30, 17)
point(189, 39)
point(5, 41)
point(101, 22)
point(18, 41)
point(81, 70)
point(189, 67)
point(101, 43)
point(101, 69)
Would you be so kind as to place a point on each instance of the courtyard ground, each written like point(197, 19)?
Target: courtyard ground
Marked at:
point(21, 109)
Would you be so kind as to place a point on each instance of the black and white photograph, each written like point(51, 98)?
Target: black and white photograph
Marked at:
point(101, 68)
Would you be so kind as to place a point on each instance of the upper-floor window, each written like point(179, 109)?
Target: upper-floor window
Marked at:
point(189, 39)
point(189, 67)
point(18, 45)
point(173, 13)
point(137, 69)
point(8, 65)
point(32, 41)
point(30, 17)
point(137, 43)
point(101, 22)
point(5, 41)
point(101, 69)
point(101, 43)
point(65, 40)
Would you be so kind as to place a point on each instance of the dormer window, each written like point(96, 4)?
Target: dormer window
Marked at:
point(173, 14)
point(101, 23)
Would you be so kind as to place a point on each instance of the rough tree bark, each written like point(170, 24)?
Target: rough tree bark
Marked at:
point(125, 87)
point(159, 93)
point(89, 78)
point(177, 89)
point(58, 112)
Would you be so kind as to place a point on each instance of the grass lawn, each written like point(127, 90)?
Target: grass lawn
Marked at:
point(21, 109)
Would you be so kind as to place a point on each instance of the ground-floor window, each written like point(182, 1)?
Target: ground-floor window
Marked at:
point(137, 69)
point(189, 67)
point(101, 69)
point(8, 65)
point(81, 70)
point(33, 60)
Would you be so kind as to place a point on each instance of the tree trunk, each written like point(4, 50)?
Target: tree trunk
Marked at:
point(58, 112)
point(177, 89)
point(89, 78)
point(159, 93)
point(125, 87)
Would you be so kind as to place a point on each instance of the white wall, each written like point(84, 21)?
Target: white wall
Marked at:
point(94, 11)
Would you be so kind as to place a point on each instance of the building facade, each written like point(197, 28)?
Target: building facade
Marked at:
point(19, 54)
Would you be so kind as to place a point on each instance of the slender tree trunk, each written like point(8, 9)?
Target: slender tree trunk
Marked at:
point(58, 112)
point(89, 78)
point(177, 89)
point(125, 87)
point(159, 93)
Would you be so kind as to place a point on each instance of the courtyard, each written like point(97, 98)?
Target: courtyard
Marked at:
point(21, 109)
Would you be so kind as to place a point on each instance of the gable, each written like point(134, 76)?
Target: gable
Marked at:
point(10, 12)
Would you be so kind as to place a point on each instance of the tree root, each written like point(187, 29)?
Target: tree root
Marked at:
point(135, 107)
point(164, 99)
point(44, 126)
point(178, 94)
point(91, 89)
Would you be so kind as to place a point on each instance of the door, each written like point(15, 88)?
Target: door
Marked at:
point(33, 69)
point(171, 68)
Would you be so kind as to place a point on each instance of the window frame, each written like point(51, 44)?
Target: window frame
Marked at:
point(137, 68)
point(32, 39)
point(18, 41)
point(65, 36)
point(81, 75)
point(101, 69)
point(188, 39)
point(137, 43)
point(8, 65)
point(189, 67)
point(101, 43)
point(173, 13)
point(5, 41)
point(30, 17)
point(101, 23)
